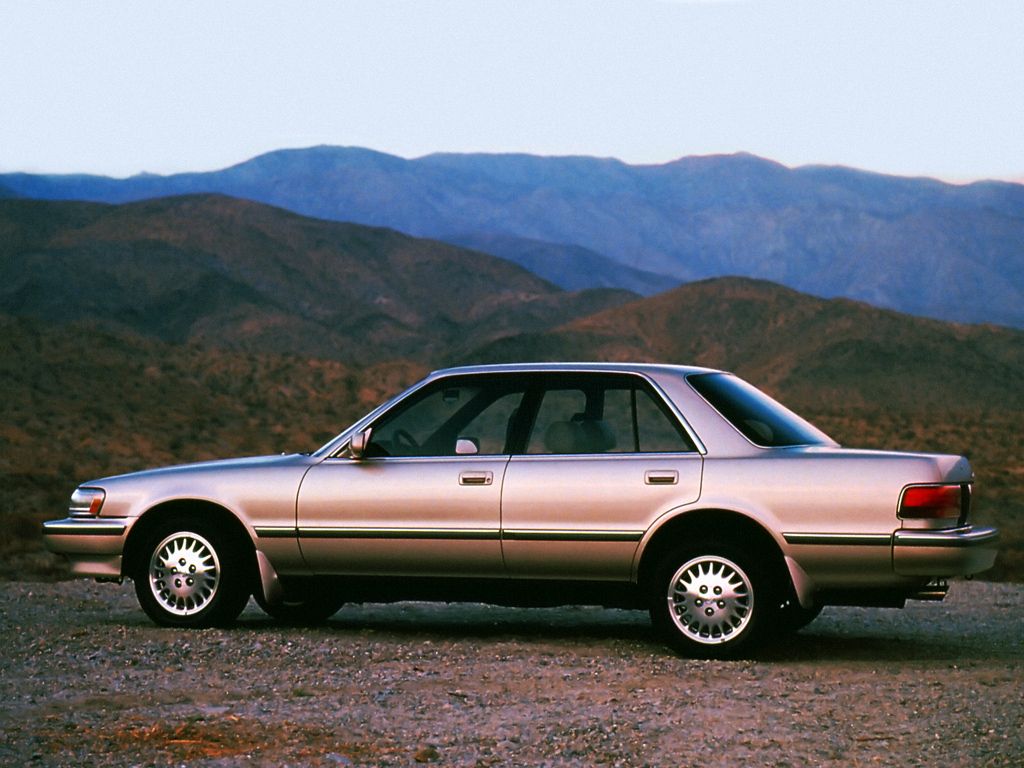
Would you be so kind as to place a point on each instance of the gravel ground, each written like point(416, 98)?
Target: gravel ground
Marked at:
point(87, 680)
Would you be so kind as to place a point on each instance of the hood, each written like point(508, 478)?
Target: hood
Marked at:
point(221, 465)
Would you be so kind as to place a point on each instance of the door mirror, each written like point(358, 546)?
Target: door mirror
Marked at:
point(466, 446)
point(357, 445)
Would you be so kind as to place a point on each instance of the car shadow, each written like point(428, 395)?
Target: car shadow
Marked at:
point(807, 646)
point(456, 622)
point(835, 639)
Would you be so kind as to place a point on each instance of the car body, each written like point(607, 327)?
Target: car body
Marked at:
point(684, 490)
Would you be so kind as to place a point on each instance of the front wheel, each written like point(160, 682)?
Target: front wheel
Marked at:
point(191, 574)
point(709, 600)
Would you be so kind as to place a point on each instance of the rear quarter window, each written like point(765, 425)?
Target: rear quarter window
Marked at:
point(759, 418)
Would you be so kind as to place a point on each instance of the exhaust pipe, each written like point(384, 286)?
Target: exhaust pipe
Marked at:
point(933, 590)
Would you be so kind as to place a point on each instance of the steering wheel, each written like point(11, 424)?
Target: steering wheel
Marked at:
point(403, 439)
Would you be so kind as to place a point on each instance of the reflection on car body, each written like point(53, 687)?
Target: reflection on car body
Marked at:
point(682, 490)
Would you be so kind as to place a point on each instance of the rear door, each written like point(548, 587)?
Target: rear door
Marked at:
point(599, 458)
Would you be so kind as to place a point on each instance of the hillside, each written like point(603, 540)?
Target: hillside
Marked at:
point(916, 245)
point(820, 351)
point(238, 274)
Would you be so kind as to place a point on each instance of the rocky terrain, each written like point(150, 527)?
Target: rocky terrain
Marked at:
point(88, 681)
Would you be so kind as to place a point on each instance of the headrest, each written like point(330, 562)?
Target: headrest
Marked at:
point(579, 436)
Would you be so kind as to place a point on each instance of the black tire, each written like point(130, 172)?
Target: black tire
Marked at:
point(191, 573)
point(305, 611)
point(711, 600)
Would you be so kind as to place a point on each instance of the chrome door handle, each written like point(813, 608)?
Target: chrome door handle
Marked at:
point(476, 478)
point(661, 477)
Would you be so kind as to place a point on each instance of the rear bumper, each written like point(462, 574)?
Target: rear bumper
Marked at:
point(953, 552)
point(93, 546)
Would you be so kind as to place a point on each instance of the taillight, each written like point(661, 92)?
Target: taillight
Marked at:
point(931, 502)
point(86, 502)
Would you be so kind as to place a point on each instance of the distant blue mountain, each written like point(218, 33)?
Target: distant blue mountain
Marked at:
point(912, 244)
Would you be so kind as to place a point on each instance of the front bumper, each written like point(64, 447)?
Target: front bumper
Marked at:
point(940, 553)
point(93, 546)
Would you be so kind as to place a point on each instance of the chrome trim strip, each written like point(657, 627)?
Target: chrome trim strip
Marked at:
point(457, 460)
point(549, 535)
point(955, 538)
point(82, 527)
point(839, 539)
point(276, 532)
point(635, 457)
point(478, 534)
point(400, 533)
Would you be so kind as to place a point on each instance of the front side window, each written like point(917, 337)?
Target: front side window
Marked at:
point(431, 422)
point(588, 414)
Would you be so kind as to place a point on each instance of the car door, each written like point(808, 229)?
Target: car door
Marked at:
point(601, 460)
point(413, 504)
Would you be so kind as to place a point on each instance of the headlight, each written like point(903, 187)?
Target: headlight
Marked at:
point(86, 502)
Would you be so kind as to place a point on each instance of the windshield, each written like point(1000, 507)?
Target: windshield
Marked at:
point(758, 417)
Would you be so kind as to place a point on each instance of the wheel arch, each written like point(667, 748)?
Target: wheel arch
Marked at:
point(724, 524)
point(214, 513)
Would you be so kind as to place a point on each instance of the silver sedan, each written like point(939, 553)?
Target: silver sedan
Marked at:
point(682, 490)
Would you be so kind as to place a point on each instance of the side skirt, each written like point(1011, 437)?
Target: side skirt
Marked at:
point(523, 593)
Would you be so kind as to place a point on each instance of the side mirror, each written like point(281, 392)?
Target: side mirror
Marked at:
point(359, 442)
point(466, 446)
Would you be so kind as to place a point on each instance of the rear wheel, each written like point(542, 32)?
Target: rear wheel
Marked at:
point(710, 600)
point(190, 573)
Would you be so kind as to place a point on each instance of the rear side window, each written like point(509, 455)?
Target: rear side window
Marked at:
point(758, 417)
point(587, 414)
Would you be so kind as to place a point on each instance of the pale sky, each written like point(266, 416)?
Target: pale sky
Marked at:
point(916, 87)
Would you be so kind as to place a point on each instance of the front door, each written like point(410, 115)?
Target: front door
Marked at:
point(413, 504)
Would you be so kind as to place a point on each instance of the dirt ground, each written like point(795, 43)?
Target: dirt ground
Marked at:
point(87, 680)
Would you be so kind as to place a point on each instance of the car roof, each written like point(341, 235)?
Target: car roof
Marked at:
point(652, 369)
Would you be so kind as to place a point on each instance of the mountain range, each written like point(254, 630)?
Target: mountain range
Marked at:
point(228, 273)
point(912, 244)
